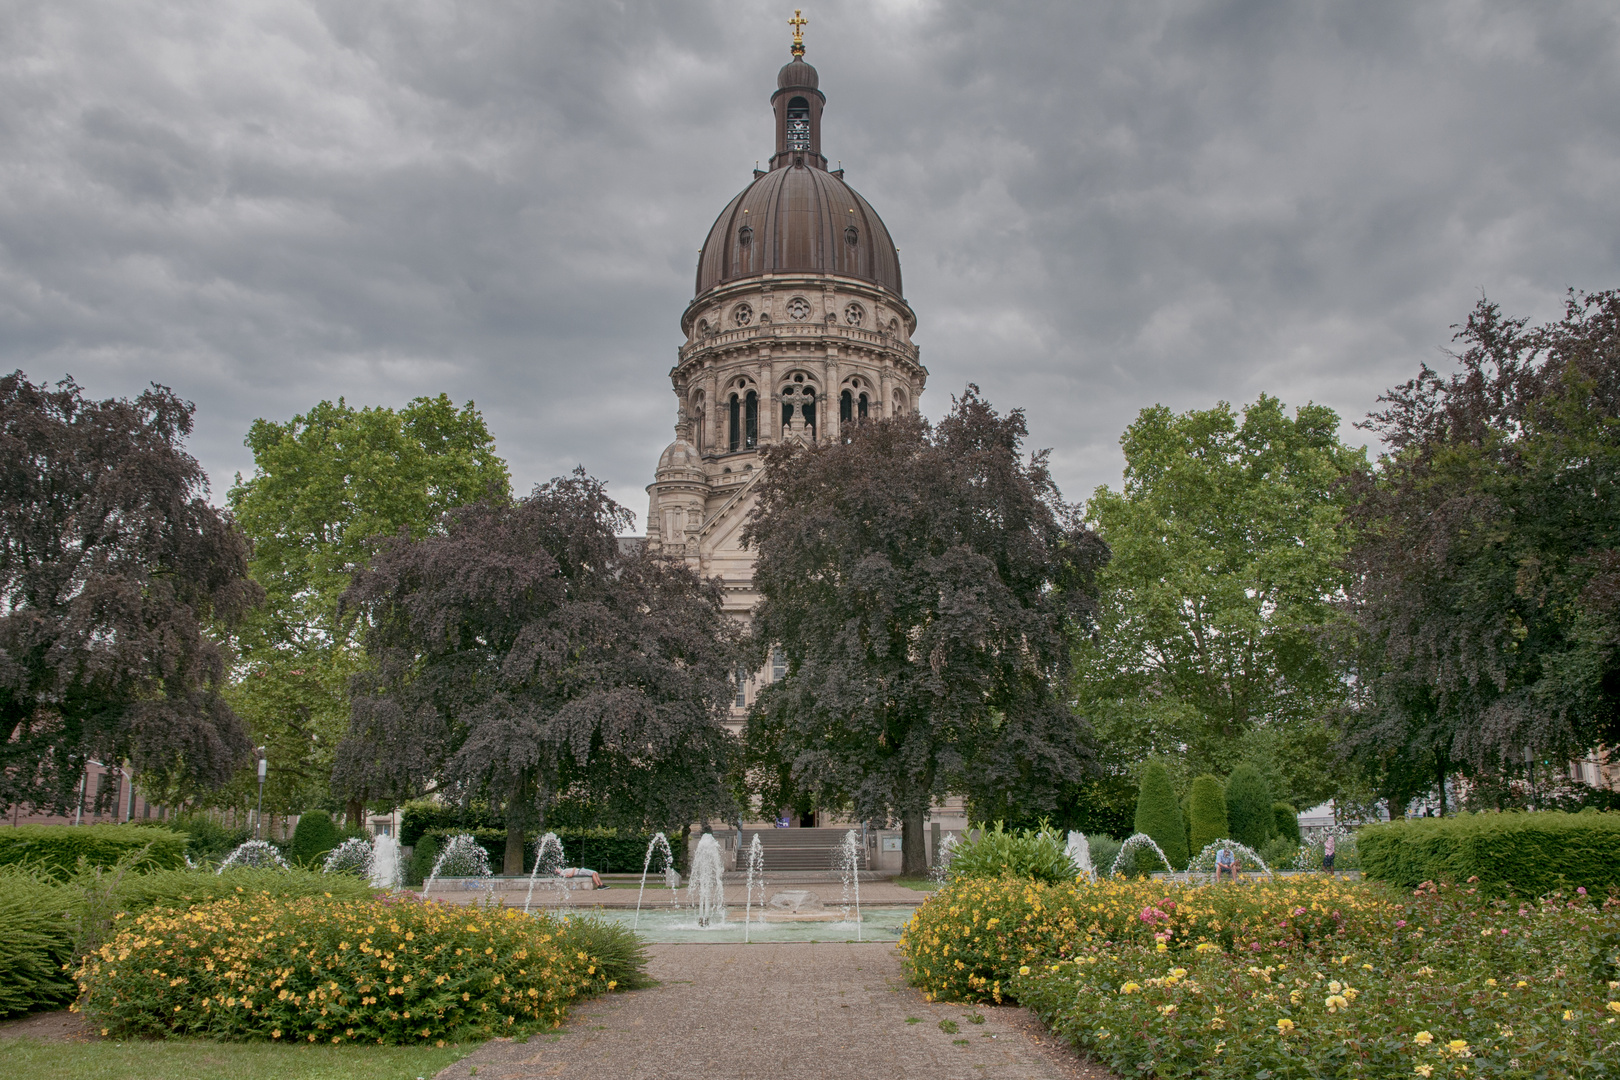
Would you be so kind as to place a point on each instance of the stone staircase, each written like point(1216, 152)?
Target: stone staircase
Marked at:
point(796, 850)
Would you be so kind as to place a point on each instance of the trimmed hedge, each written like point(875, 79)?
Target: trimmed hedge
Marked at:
point(1521, 854)
point(54, 850)
point(1159, 816)
point(602, 850)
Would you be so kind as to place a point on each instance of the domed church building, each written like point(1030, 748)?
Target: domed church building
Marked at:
point(799, 327)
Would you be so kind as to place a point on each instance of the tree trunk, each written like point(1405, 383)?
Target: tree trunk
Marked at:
point(913, 855)
point(513, 865)
point(354, 814)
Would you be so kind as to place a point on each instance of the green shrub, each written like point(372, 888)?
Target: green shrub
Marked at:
point(1159, 816)
point(1522, 854)
point(1248, 807)
point(1279, 852)
point(619, 952)
point(55, 850)
point(1287, 822)
point(208, 840)
point(1104, 850)
point(183, 888)
point(312, 839)
point(319, 969)
point(35, 943)
point(995, 852)
point(423, 856)
point(603, 850)
point(1207, 811)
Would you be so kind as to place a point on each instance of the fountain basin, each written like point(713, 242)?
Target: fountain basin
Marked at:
point(877, 924)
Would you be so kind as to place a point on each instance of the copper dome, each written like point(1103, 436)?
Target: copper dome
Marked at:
point(798, 219)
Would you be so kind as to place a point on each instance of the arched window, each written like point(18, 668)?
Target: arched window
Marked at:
point(798, 124)
point(861, 408)
point(735, 426)
point(810, 412)
point(751, 420)
point(846, 408)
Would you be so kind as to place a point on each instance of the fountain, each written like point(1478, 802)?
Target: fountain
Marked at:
point(849, 863)
point(941, 870)
point(548, 859)
point(1079, 852)
point(672, 880)
point(1125, 861)
point(1204, 862)
point(756, 872)
point(706, 888)
point(462, 856)
point(259, 854)
point(353, 856)
point(384, 862)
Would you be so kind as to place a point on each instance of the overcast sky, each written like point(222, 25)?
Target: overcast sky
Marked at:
point(1099, 206)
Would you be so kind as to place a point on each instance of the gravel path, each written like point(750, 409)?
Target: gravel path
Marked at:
point(779, 1012)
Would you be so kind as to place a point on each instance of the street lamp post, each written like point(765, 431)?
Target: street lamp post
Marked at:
point(258, 818)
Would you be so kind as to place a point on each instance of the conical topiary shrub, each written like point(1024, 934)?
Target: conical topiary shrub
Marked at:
point(1248, 807)
point(1159, 816)
point(1207, 811)
point(1287, 822)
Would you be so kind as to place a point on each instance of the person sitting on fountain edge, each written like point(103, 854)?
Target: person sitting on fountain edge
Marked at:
point(1225, 863)
point(580, 871)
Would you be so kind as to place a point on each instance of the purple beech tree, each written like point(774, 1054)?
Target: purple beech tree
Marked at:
point(526, 654)
point(112, 565)
point(924, 583)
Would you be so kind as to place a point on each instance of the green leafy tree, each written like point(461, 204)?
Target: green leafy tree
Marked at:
point(1207, 813)
point(1487, 571)
point(521, 654)
point(112, 568)
point(1159, 815)
point(922, 583)
point(1219, 600)
point(326, 486)
point(1248, 807)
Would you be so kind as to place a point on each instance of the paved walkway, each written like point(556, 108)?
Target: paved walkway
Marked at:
point(779, 1012)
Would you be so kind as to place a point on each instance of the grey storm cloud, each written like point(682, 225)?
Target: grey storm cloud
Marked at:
point(1099, 206)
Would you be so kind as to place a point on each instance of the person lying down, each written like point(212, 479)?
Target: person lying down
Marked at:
point(580, 871)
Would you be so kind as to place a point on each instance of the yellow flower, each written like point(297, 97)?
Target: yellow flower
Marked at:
point(1129, 988)
point(1490, 982)
point(1023, 969)
point(1614, 1006)
point(1569, 1014)
point(1423, 1038)
point(1284, 1026)
point(1458, 1047)
point(1424, 1071)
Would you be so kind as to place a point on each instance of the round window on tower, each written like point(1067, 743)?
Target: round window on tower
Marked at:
point(798, 309)
point(745, 235)
point(854, 314)
point(852, 235)
point(742, 314)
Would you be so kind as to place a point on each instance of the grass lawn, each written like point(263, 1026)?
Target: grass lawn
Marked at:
point(918, 884)
point(190, 1059)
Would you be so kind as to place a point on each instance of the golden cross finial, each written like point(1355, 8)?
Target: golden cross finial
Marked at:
point(798, 22)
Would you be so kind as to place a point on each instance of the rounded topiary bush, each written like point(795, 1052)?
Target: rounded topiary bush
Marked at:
point(1159, 816)
point(353, 857)
point(1207, 811)
point(1248, 807)
point(313, 838)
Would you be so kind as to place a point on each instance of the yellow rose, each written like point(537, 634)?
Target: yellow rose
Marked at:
point(1284, 1026)
point(1423, 1038)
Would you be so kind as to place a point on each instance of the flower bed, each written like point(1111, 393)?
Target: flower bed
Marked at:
point(1296, 978)
point(327, 970)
